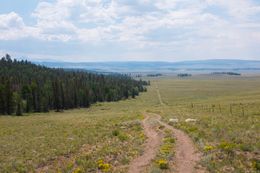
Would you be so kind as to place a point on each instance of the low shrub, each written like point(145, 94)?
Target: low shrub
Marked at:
point(208, 148)
point(163, 164)
point(115, 132)
point(256, 164)
point(245, 147)
point(169, 140)
point(227, 147)
point(104, 167)
point(122, 137)
point(78, 170)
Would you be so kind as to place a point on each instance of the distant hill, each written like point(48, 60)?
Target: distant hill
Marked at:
point(200, 65)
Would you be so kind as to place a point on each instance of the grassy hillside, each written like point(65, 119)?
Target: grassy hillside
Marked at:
point(26, 87)
point(73, 139)
point(227, 130)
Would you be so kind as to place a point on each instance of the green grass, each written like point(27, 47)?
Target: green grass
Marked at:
point(234, 134)
point(35, 140)
point(112, 132)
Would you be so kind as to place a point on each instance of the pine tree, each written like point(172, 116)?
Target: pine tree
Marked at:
point(8, 98)
point(2, 101)
point(27, 96)
point(34, 96)
point(18, 102)
point(56, 94)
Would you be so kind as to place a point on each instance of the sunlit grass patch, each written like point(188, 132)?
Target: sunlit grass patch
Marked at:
point(256, 164)
point(163, 164)
point(228, 118)
point(104, 167)
point(227, 147)
point(169, 140)
point(77, 170)
point(40, 139)
point(209, 148)
point(165, 149)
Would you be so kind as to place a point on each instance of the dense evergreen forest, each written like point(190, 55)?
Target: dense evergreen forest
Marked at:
point(26, 87)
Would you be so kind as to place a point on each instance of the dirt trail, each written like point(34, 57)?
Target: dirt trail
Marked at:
point(186, 156)
point(152, 145)
point(159, 95)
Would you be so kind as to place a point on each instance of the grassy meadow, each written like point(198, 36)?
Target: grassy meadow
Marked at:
point(227, 110)
point(74, 140)
point(108, 136)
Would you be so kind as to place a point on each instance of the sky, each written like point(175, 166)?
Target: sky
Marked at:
point(130, 30)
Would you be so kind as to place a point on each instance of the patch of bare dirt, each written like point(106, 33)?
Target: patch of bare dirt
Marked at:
point(187, 156)
point(151, 147)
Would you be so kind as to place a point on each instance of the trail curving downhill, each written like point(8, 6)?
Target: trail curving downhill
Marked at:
point(186, 156)
point(152, 145)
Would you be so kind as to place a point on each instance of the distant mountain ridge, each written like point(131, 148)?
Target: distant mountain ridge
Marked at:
point(151, 66)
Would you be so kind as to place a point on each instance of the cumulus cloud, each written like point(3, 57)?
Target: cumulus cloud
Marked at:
point(11, 20)
point(169, 25)
point(12, 27)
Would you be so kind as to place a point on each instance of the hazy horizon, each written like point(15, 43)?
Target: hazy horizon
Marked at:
point(133, 61)
point(38, 60)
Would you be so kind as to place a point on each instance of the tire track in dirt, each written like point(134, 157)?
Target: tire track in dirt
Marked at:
point(159, 95)
point(186, 156)
point(151, 147)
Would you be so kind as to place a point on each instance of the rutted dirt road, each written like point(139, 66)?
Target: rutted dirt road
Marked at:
point(152, 145)
point(186, 156)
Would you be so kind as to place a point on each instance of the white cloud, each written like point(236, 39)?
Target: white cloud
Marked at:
point(100, 12)
point(11, 20)
point(240, 9)
point(53, 20)
point(166, 4)
point(12, 27)
point(141, 25)
point(98, 20)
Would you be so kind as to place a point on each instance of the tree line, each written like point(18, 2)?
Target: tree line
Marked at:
point(184, 75)
point(226, 73)
point(26, 87)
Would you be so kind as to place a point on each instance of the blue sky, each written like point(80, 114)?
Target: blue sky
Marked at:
point(130, 30)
